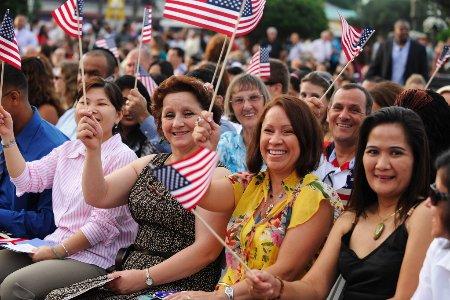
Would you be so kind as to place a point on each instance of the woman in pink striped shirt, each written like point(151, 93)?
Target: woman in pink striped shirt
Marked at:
point(87, 239)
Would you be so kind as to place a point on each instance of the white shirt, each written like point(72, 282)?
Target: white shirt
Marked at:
point(322, 50)
point(434, 279)
point(67, 124)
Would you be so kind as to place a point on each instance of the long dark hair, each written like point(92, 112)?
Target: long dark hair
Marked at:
point(363, 196)
point(305, 127)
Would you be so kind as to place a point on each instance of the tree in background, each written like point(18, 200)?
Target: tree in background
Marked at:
point(306, 17)
point(16, 7)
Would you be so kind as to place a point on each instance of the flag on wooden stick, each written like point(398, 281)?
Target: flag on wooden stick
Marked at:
point(189, 179)
point(353, 40)
point(147, 81)
point(147, 25)
point(108, 43)
point(216, 15)
point(9, 51)
point(66, 17)
point(445, 55)
point(259, 64)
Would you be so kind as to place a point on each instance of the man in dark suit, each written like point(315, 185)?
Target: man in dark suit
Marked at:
point(400, 57)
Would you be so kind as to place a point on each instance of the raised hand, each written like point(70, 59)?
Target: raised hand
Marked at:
point(206, 133)
point(317, 107)
point(6, 125)
point(89, 131)
point(136, 105)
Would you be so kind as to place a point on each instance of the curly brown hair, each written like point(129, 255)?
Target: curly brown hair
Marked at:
point(178, 84)
point(41, 90)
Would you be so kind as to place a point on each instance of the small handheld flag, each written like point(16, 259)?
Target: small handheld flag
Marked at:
point(66, 17)
point(147, 25)
point(259, 64)
point(353, 40)
point(147, 81)
point(216, 15)
point(109, 44)
point(445, 55)
point(189, 179)
point(9, 50)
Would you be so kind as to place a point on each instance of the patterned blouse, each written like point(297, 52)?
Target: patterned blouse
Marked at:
point(258, 240)
point(232, 151)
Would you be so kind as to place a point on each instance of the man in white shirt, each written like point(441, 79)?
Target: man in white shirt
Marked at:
point(322, 48)
point(25, 37)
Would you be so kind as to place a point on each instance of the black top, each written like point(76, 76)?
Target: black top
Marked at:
point(374, 276)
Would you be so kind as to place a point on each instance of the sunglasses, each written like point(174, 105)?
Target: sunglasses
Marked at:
point(436, 196)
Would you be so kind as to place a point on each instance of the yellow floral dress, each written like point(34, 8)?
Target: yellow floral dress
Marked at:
point(258, 240)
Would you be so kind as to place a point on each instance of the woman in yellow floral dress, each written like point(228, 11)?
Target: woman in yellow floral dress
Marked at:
point(281, 216)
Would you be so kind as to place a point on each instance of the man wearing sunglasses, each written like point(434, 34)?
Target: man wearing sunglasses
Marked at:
point(29, 215)
point(278, 82)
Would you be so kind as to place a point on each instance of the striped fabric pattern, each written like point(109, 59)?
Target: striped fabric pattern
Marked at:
point(107, 230)
point(9, 51)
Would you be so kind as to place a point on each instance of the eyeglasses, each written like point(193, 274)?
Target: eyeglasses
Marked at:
point(436, 196)
point(252, 99)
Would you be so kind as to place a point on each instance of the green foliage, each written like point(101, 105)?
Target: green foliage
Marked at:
point(443, 35)
point(16, 7)
point(348, 4)
point(307, 17)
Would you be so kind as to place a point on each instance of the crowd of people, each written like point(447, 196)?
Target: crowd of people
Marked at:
point(322, 189)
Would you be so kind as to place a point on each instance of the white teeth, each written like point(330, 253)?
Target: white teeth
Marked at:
point(344, 125)
point(179, 133)
point(249, 115)
point(277, 152)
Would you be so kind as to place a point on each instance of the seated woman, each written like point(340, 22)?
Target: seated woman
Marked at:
point(281, 216)
point(88, 237)
point(435, 274)
point(378, 246)
point(244, 103)
point(312, 88)
point(129, 126)
point(173, 250)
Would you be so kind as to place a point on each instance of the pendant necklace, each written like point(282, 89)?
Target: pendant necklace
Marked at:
point(380, 227)
point(278, 197)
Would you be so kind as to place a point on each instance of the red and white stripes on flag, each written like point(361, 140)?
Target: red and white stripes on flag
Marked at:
point(147, 25)
point(147, 81)
point(189, 179)
point(66, 17)
point(350, 37)
point(9, 51)
point(259, 64)
point(216, 15)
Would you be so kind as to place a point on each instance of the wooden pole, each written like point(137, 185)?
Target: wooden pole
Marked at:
point(139, 51)
point(220, 58)
point(1, 82)
point(334, 81)
point(431, 78)
point(80, 48)
point(224, 65)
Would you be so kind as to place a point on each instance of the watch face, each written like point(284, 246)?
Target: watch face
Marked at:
point(149, 281)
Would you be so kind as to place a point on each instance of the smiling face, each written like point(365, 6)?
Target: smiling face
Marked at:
point(439, 211)
point(102, 109)
point(247, 106)
point(278, 144)
point(388, 161)
point(345, 116)
point(179, 113)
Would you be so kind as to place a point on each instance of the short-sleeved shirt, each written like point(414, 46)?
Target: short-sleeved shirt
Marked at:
point(258, 242)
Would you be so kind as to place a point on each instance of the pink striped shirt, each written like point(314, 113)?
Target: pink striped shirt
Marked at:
point(107, 230)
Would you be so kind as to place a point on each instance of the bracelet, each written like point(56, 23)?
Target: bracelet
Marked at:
point(281, 288)
point(56, 253)
point(65, 249)
point(10, 144)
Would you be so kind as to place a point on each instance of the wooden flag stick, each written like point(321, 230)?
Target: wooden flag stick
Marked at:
point(221, 240)
point(334, 81)
point(220, 58)
point(139, 51)
point(1, 82)
point(432, 76)
point(80, 48)
point(225, 60)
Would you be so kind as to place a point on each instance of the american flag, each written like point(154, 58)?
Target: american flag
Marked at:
point(189, 179)
point(9, 51)
point(109, 44)
point(445, 54)
point(66, 17)
point(259, 65)
point(353, 40)
point(147, 81)
point(10, 240)
point(217, 15)
point(147, 25)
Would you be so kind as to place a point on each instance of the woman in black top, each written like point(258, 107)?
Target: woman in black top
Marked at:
point(378, 246)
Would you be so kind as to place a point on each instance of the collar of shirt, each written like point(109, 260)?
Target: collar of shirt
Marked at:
point(29, 131)
point(106, 149)
point(405, 46)
point(330, 154)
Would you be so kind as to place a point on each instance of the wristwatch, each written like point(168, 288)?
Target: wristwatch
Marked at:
point(149, 280)
point(229, 292)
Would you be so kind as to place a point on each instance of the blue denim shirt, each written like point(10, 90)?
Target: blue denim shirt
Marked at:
point(232, 151)
point(31, 214)
point(148, 128)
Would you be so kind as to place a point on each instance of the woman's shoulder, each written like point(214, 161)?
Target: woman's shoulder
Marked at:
point(312, 183)
point(345, 221)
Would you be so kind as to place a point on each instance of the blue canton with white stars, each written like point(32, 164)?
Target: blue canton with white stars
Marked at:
point(264, 55)
point(234, 5)
point(364, 37)
point(147, 17)
point(80, 7)
point(7, 29)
